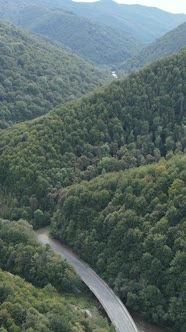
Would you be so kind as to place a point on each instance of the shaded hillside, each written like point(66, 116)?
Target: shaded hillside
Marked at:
point(36, 76)
point(46, 306)
point(131, 122)
point(92, 40)
point(170, 43)
point(131, 226)
point(145, 23)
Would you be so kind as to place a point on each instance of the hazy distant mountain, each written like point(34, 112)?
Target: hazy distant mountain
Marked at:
point(109, 32)
point(94, 41)
point(146, 23)
point(170, 43)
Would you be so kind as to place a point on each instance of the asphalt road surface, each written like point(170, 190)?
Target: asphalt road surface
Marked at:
point(114, 308)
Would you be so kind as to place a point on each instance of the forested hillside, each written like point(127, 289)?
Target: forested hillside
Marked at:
point(145, 23)
point(57, 302)
point(130, 226)
point(96, 42)
point(107, 171)
point(170, 43)
point(131, 122)
point(36, 76)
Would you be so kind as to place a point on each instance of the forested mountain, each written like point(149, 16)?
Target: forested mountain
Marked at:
point(54, 303)
point(131, 122)
point(130, 226)
point(83, 168)
point(170, 43)
point(144, 23)
point(93, 41)
point(36, 76)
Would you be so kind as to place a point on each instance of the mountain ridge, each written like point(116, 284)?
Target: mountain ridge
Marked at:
point(145, 22)
point(70, 168)
point(94, 41)
point(110, 129)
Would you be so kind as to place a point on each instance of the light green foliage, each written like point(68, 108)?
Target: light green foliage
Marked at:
point(25, 308)
point(59, 302)
point(20, 253)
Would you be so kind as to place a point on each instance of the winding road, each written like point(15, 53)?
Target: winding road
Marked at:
point(115, 309)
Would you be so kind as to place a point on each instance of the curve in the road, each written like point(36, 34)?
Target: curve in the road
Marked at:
point(114, 308)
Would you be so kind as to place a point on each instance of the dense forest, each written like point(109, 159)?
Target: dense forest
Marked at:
point(94, 41)
point(144, 23)
point(130, 226)
point(35, 75)
point(131, 122)
point(57, 302)
point(170, 43)
point(107, 171)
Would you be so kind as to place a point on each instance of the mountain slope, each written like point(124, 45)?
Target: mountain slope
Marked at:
point(44, 305)
point(145, 23)
point(36, 76)
point(130, 226)
point(168, 44)
point(94, 41)
point(131, 122)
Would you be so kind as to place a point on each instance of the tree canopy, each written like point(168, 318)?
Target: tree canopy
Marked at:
point(114, 162)
point(130, 226)
point(94, 41)
point(57, 302)
point(129, 123)
point(36, 75)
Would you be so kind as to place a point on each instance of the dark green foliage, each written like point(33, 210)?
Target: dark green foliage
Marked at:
point(132, 122)
point(170, 43)
point(36, 76)
point(130, 226)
